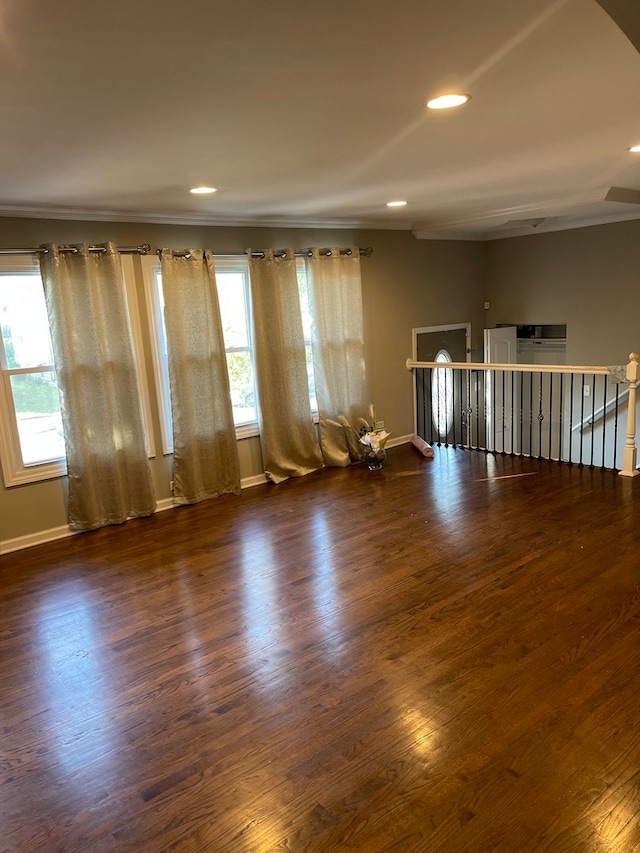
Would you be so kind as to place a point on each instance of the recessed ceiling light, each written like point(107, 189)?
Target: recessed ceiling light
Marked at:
point(203, 190)
point(396, 203)
point(635, 149)
point(445, 102)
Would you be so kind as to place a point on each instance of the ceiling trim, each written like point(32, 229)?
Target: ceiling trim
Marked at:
point(485, 225)
point(173, 218)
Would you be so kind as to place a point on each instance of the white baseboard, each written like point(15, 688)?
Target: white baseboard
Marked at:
point(165, 503)
point(41, 537)
point(396, 442)
point(256, 480)
point(38, 538)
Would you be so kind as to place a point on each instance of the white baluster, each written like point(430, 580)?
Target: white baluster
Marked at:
point(629, 455)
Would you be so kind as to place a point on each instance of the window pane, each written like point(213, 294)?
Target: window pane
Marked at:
point(242, 387)
point(161, 326)
point(233, 308)
point(306, 328)
point(23, 317)
point(304, 300)
point(37, 407)
point(311, 378)
point(442, 395)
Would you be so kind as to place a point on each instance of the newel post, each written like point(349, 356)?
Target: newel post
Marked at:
point(629, 455)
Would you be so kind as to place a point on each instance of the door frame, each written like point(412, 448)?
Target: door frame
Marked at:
point(505, 438)
point(448, 327)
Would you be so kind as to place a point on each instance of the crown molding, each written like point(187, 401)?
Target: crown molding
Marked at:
point(502, 223)
point(84, 214)
point(486, 225)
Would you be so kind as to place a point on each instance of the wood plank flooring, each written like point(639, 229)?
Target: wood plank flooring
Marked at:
point(441, 656)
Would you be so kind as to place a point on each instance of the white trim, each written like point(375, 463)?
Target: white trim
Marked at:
point(250, 430)
point(601, 412)
point(396, 442)
point(129, 276)
point(422, 330)
point(448, 327)
point(165, 503)
point(223, 263)
point(52, 534)
point(193, 218)
point(510, 366)
point(151, 263)
point(14, 471)
point(256, 480)
point(41, 537)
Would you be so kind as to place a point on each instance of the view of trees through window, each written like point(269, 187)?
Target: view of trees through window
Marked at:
point(234, 309)
point(27, 367)
point(305, 309)
point(234, 296)
point(32, 435)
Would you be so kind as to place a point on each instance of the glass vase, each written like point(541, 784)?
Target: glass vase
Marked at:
point(375, 459)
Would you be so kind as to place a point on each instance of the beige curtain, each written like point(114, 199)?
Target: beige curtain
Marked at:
point(205, 452)
point(288, 435)
point(107, 463)
point(335, 297)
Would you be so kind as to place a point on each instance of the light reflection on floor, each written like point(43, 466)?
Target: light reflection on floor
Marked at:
point(74, 679)
point(267, 583)
point(448, 498)
point(325, 594)
point(262, 630)
point(201, 674)
point(422, 731)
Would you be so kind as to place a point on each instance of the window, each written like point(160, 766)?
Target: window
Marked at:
point(306, 327)
point(442, 395)
point(32, 441)
point(31, 435)
point(234, 296)
point(232, 281)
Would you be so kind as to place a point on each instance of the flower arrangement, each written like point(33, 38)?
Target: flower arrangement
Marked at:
point(374, 441)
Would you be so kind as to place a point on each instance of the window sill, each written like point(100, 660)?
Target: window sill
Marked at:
point(35, 473)
point(247, 431)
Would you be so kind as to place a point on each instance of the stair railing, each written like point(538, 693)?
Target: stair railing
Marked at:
point(566, 413)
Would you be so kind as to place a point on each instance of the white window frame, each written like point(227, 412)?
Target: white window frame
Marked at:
point(442, 394)
point(301, 268)
point(14, 471)
point(150, 266)
point(235, 263)
point(135, 325)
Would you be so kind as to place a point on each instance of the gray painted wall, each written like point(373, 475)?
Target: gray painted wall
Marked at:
point(406, 283)
point(588, 278)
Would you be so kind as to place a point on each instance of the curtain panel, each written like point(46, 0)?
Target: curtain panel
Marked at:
point(205, 454)
point(288, 435)
point(108, 468)
point(335, 296)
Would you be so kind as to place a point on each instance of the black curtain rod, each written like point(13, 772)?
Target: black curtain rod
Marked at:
point(145, 248)
point(307, 253)
point(279, 253)
point(41, 250)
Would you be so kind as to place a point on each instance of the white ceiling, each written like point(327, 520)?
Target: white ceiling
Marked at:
point(313, 114)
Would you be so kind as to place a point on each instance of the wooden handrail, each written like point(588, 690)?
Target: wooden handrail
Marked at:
point(516, 368)
point(629, 467)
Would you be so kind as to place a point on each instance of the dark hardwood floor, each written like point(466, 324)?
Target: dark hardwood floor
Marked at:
point(442, 656)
